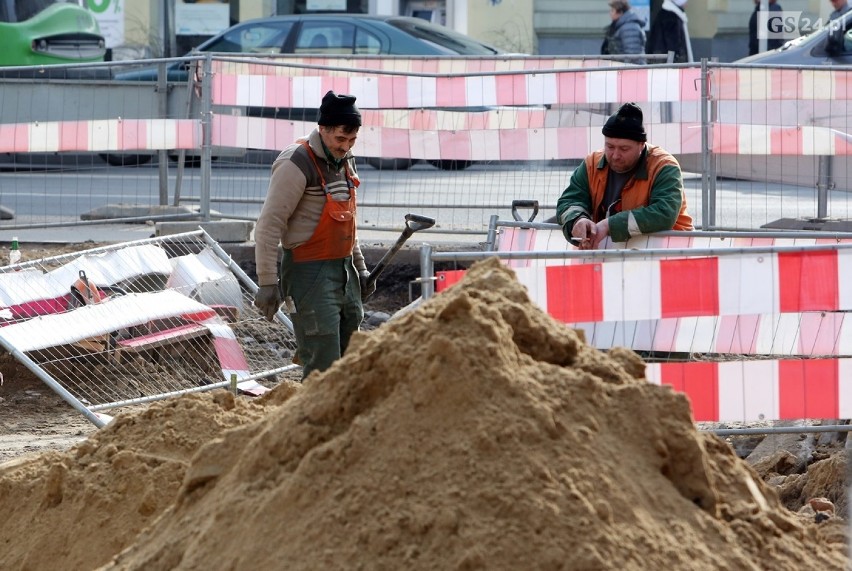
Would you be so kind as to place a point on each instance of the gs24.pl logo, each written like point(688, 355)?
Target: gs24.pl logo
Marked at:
point(789, 25)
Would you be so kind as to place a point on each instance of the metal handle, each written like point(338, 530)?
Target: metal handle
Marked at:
point(524, 204)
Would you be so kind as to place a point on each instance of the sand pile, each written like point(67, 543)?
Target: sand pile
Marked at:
point(76, 510)
point(474, 433)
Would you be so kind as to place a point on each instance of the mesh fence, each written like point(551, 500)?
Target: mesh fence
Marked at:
point(140, 320)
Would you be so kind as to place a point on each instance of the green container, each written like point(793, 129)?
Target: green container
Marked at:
point(61, 33)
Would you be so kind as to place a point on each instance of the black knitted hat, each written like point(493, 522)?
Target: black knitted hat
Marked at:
point(338, 110)
point(626, 123)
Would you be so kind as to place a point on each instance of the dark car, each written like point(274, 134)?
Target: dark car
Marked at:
point(830, 45)
point(331, 35)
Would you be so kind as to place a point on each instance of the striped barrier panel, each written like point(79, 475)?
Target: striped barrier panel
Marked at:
point(761, 390)
point(100, 135)
point(784, 303)
point(505, 143)
point(512, 239)
point(765, 84)
point(266, 85)
point(810, 334)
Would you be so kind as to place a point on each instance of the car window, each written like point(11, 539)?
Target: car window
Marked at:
point(325, 38)
point(367, 43)
point(263, 38)
point(449, 40)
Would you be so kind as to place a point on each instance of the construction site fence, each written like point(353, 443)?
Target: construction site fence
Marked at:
point(140, 321)
point(454, 138)
point(760, 336)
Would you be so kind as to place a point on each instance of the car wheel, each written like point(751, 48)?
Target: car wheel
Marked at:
point(451, 164)
point(389, 164)
point(126, 160)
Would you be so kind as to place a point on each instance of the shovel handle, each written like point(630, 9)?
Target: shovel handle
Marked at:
point(524, 204)
point(413, 223)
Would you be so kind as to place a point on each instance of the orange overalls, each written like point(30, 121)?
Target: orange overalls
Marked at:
point(322, 282)
point(334, 236)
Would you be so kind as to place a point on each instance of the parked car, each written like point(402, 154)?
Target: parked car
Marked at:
point(44, 32)
point(329, 35)
point(829, 45)
point(324, 35)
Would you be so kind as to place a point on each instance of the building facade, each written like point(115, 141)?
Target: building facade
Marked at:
point(718, 28)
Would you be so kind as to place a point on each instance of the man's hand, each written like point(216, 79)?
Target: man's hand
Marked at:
point(601, 232)
point(583, 233)
point(588, 234)
point(367, 288)
point(268, 300)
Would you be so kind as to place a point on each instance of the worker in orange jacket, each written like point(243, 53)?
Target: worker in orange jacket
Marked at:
point(626, 189)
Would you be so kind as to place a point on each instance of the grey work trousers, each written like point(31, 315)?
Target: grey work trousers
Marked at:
point(327, 296)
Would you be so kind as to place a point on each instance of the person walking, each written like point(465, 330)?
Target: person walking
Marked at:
point(670, 32)
point(626, 189)
point(310, 211)
point(840, 8)
point(753, 40)
point(625, 34)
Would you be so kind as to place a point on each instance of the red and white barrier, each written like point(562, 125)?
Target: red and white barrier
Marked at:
point(754, 84)
point(737, 284)
point(421, 138)
point(761, 390)
point(281, 86)
point(100, 135)
point(782, 303)
point(813, 334)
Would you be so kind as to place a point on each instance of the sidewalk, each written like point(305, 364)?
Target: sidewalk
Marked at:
point(101, 233)
point(115, 233)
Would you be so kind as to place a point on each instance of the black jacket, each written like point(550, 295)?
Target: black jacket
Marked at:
point(667, 35)
point(753, 42)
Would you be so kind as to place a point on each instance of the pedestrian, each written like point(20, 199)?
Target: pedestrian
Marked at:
point(840, 8)
point(753, 40)
point(625, 34)
point(670, 32)
point(310, 210)
point(626, 189)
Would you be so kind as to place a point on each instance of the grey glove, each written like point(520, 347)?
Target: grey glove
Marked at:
point(267, 300)
point(367, 288)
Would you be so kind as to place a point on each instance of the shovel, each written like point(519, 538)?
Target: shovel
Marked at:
point(413, 223)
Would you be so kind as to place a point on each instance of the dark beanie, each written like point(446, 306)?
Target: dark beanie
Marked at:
point(626, 123)
point(338, 110)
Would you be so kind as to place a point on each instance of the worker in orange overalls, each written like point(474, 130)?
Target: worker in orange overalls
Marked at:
point(310, 211)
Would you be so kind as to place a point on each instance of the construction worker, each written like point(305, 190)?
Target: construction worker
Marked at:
point(626, 189)
point(310, 211)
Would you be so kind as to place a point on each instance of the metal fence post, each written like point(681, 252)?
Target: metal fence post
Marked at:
point(206, 136)
point(825, 183)
point(708, 191)
point(162, 154)
point(427, 271)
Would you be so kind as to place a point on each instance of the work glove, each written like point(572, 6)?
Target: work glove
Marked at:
point(267, 300)
point(367, 288)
